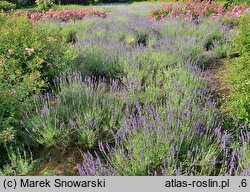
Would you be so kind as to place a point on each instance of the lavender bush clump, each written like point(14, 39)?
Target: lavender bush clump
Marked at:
point(79, 111)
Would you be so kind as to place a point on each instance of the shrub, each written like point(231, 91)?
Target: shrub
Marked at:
point(237, 74)
point(193, 11)
point(44, 5)
point(29, 59)
point(6, 6)
point(159, 13)
point(33, 57)
point(243, 38)
point(64, 15)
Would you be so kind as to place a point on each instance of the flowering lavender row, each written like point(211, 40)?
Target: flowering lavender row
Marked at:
point(126, 44)
point(151, 144)
point(149, 147)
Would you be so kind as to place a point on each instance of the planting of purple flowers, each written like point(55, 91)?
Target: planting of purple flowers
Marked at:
point(137, 100)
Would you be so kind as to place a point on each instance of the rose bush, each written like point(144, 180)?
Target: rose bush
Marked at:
point(63, 15)
point(197, 10)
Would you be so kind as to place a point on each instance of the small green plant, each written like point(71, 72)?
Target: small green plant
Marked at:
point(221, 50)
point(20, 163)
point(213, 36)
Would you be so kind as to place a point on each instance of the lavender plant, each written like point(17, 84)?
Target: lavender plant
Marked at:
point(79, 112)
